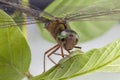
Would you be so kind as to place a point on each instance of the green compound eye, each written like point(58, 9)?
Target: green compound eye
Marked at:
point(62, 35)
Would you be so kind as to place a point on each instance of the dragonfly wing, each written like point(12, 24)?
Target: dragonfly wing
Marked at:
point(101, 10)
point(19, 23)
point(24, 7)
point(18, 15)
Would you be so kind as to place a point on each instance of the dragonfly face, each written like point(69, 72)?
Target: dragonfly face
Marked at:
point(62, 33)
point(68, 39)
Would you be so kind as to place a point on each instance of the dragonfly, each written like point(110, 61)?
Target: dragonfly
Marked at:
point(59, 28)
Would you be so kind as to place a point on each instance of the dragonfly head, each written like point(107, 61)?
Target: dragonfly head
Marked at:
point(68, 39)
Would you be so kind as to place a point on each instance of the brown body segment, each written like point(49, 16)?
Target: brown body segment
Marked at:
point(55, 27)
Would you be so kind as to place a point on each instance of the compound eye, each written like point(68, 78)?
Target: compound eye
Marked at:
point(62, 36)
point(63, 33)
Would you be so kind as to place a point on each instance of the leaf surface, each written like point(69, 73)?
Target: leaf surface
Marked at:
point(15, 53)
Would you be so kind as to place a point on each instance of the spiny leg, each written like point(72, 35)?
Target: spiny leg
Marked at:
point(53, 53)
point(54, 47)
point(62, 53)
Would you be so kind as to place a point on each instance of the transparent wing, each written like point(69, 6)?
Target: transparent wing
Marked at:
point(19, 19)
point(101, 10)
point(18, 15)
point(20, 5)
point(20, 22)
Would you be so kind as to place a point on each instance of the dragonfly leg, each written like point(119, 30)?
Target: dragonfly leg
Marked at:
point(55, 47)
point(62, 53)
point(78, 47)
point(51, 54)
point(68, 51)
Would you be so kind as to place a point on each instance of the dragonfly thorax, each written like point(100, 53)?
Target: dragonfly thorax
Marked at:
point(68, 39)
point(55, 27)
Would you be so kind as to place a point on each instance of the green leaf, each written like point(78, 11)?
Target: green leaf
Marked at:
point(79, 63)
point(20, 21)
point(86, 30)
point(15, 53)
point(113, 67)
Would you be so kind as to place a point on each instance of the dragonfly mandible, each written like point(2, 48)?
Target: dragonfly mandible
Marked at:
point(59, 28)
